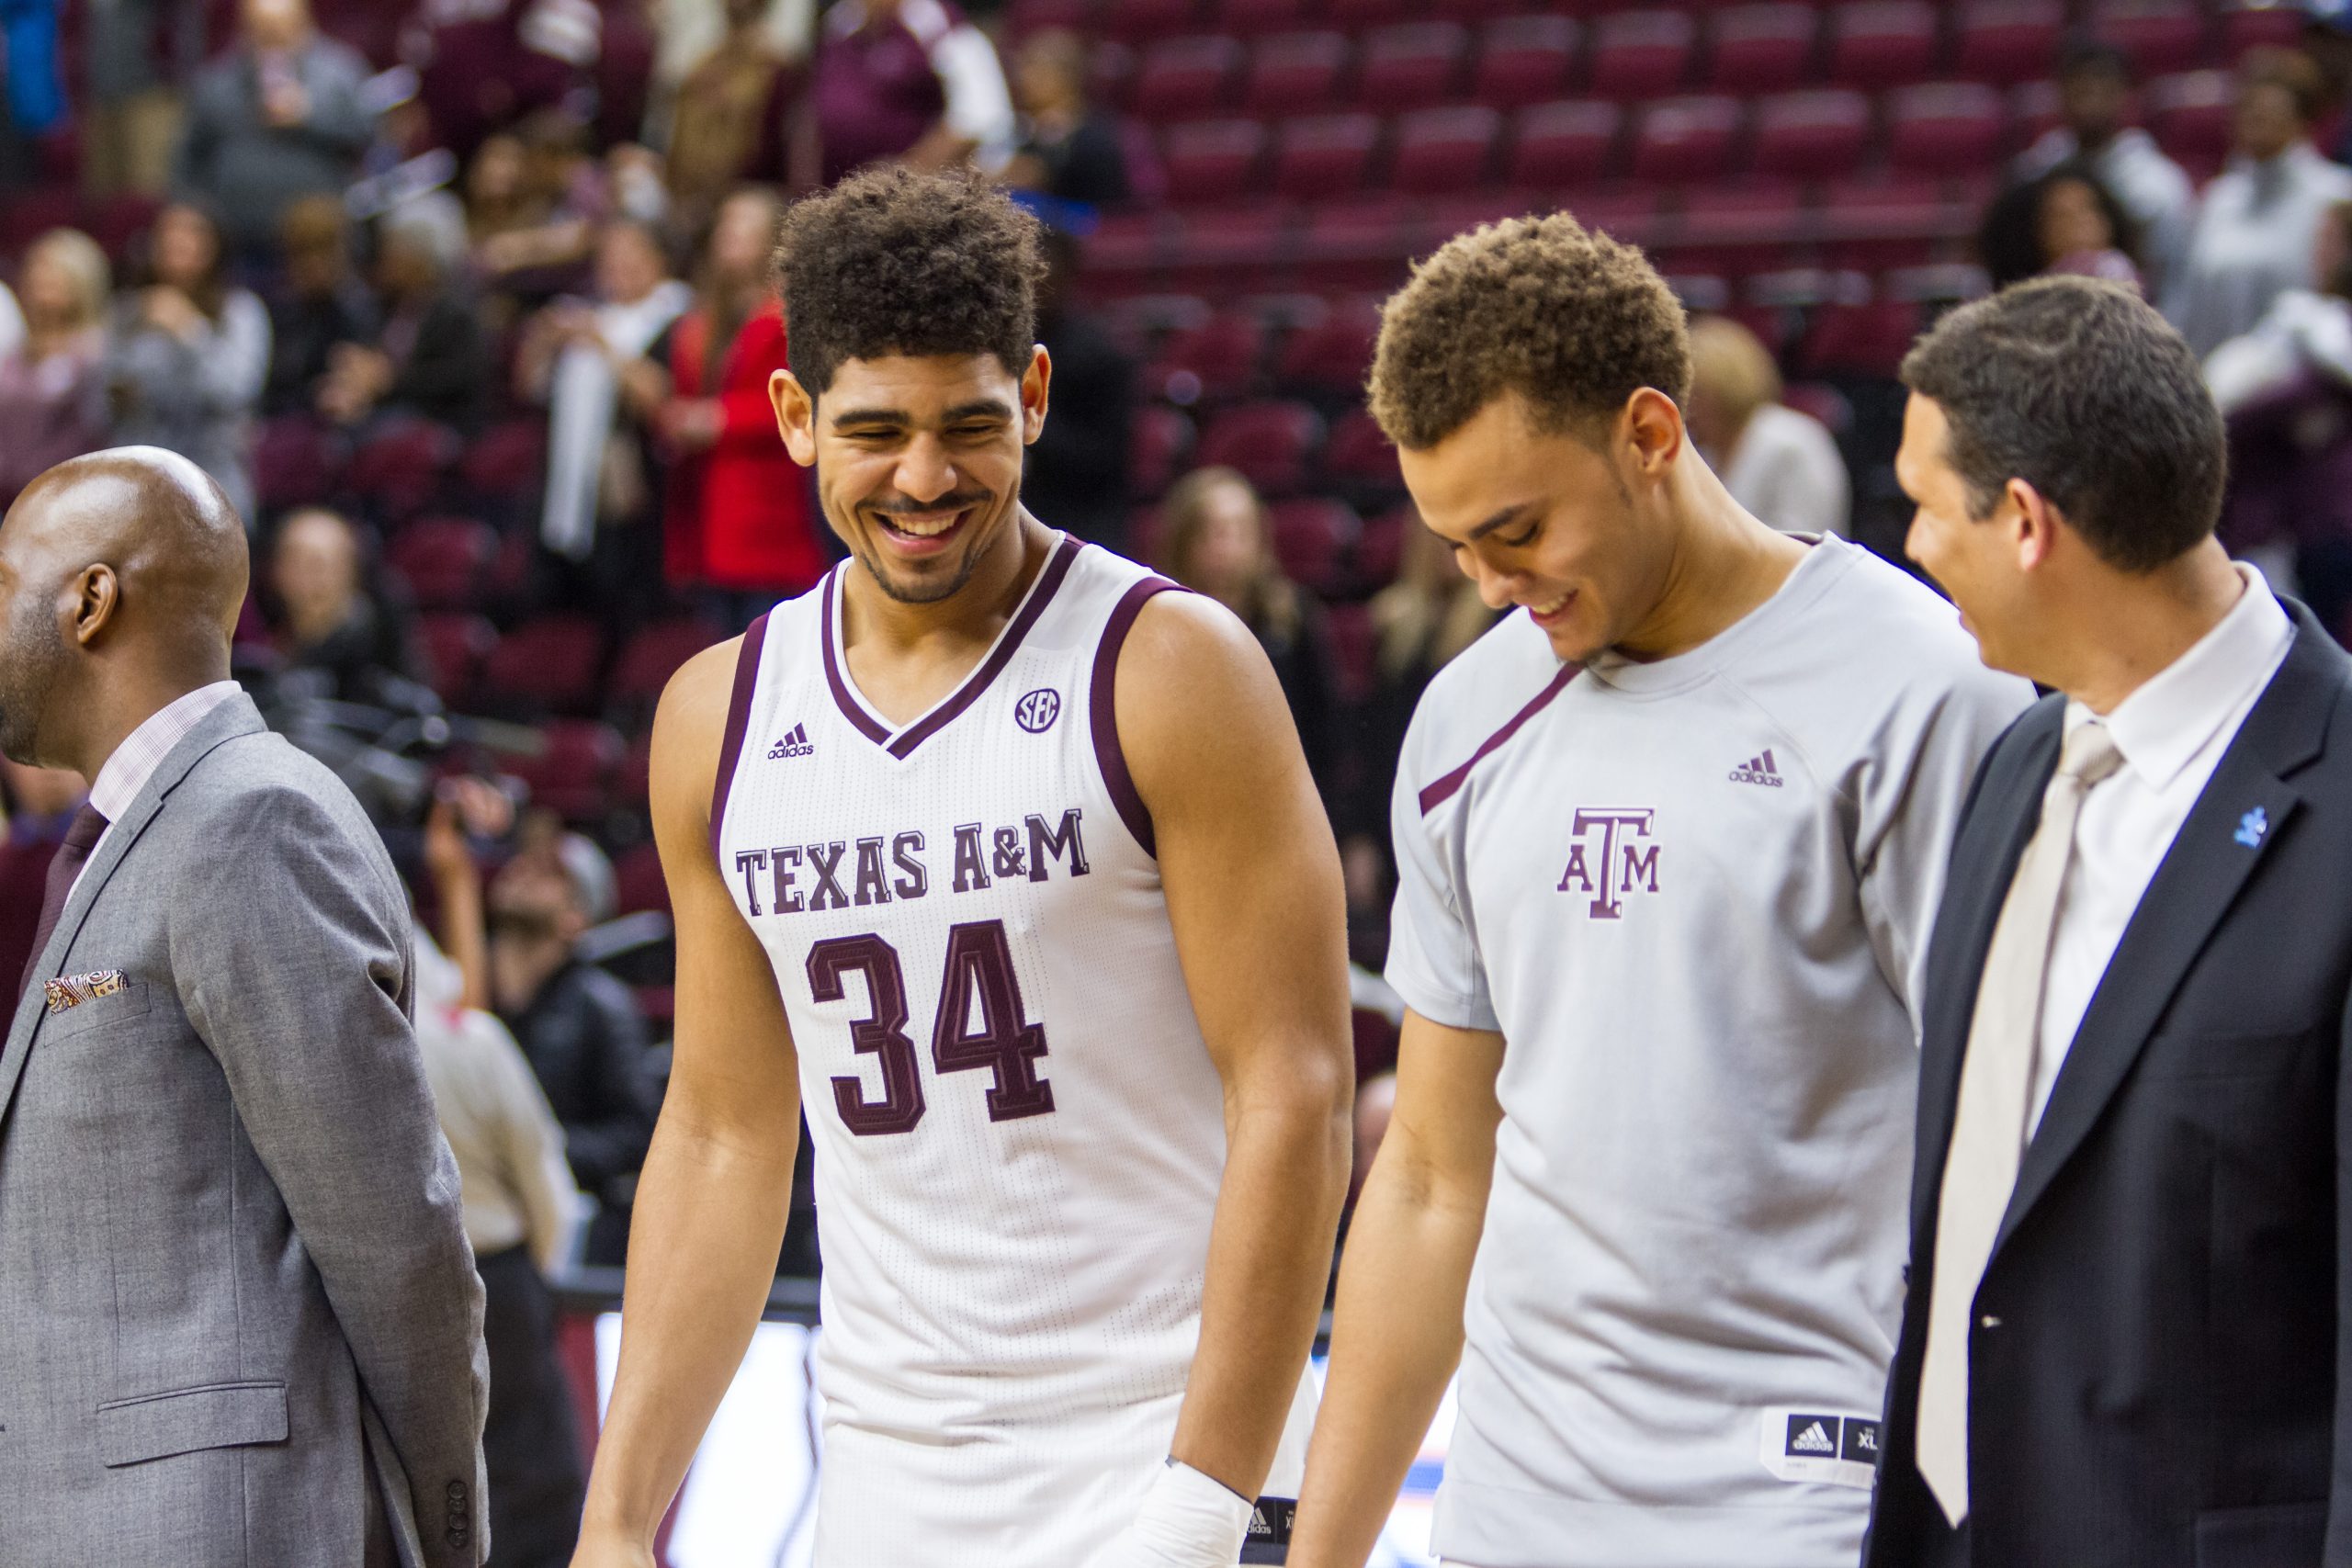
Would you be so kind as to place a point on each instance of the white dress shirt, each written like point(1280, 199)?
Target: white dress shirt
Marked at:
point(134, 761)
point(2172, 732)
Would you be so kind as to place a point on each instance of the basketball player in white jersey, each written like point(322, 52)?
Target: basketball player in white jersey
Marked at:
point(1005, 866)
point(1670, 838)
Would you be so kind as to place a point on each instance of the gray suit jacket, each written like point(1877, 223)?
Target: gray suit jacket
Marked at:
point(235, 1294)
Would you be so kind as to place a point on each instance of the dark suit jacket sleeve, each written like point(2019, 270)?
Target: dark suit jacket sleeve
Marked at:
point(2339, 1510)
point(292, 957)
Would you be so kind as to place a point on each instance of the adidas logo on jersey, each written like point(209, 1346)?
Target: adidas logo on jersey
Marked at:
point(1814, 1439)
point(795, 744)
point(1758, 771)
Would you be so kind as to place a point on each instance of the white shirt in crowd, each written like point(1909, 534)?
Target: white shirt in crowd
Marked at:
point(2153, 191)
point(979, 101)
point(2172, 731)
point(1785, 469)
point(1694, 896)
point(2254, 239)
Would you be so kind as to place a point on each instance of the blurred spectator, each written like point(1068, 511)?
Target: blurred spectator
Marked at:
point(533, 202)
point(53, 384)
point(12, 322)
point(37, 805)
point(2306, 333)
point(1075, 476)
point(592, 364)
point(1219, 542)
point(732, 111)
point(432, 359)
point(578, 1026)
point(2255, 231)
point(519, 1212)
point(486, 64)
point(279, 118)
point(1068, 150)
point(29, 56)
point(134, 51)
point(346, 642)
point(2064, 220)
point(188, 354)
point(910, 80)
point(321, 304)
point(2094, 106)
point(738, 517)
point(1782, 464)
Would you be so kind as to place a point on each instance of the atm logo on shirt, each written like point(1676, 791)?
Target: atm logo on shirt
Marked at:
point(1612, 858)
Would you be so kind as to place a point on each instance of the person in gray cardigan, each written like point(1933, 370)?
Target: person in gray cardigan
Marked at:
point(280, 117)
point(240, 1326)
point(187, 355)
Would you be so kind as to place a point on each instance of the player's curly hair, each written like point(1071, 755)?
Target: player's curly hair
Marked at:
point(893, 261)
point(1564, 316)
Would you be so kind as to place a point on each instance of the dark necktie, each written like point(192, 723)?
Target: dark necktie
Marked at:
point(81, 837)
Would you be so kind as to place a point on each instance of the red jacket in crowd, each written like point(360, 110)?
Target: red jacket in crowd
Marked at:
point(739, 515)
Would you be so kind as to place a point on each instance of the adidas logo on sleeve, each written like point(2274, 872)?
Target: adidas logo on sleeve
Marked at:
point(1759, 769)
point(795, 744)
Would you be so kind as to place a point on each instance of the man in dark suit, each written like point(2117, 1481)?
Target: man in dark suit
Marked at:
point(240, 1326)
point(2120, 1343)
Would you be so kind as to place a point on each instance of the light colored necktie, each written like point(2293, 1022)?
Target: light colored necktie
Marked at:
point(1988, 1133)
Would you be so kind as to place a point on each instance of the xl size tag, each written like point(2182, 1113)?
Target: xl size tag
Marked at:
point(1820, 1445)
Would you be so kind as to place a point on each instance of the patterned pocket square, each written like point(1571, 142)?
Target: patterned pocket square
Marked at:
point(70, 991)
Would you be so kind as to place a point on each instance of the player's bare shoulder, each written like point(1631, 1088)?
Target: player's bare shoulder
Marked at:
point(690, 725)
point(1196, 696)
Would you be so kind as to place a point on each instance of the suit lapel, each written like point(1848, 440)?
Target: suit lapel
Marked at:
point(2200, 876)
point(234, 717)
point(1971, 909)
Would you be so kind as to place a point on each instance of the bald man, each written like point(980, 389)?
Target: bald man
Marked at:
point(239, 1322)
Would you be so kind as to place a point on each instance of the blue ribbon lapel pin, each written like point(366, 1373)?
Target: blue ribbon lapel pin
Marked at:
point(2252, 826)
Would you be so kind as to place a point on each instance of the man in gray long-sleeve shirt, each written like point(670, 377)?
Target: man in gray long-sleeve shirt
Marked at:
point(280, 117)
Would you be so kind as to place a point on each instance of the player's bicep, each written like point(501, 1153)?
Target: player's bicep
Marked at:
point(1441, 1135)
point(1246, 854)
point(733, 1069)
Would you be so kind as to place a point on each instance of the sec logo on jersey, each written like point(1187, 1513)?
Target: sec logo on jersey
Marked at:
point(1036, 712)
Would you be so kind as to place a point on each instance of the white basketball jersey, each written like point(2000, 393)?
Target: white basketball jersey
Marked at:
point(1020, 1135)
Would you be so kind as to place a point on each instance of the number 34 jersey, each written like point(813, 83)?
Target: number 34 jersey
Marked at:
point(1019, 1132)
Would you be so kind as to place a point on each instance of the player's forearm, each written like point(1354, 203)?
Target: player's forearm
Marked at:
point(708, 1226)
point(1270, 1251)
point(1396, 1338)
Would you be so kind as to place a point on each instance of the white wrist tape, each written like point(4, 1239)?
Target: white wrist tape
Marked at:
point(1188, 1520)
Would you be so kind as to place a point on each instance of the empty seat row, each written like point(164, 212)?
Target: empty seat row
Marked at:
point(1755, 45)
point(1934, 128)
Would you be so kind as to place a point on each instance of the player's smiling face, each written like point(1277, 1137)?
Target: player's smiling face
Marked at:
point(918, 461)
point(1547, 521)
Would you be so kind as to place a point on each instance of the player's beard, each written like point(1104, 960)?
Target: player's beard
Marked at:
point(928, 590)
point(32, 659)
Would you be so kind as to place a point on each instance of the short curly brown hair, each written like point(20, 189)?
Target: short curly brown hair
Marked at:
point(1564, 316)
point(893, 261)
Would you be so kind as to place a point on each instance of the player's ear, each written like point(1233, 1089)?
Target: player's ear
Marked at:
point(1035, 383)
point(795, 417)
point(1653, 430)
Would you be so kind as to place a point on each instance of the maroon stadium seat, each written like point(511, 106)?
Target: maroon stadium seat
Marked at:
point(1141, 19)
point(573, 776)
point(1311, 538)
point(2008, 42)
point(633, 783)
point(553, 663)
point(1324, 155)
point(2033, 110)
point(1215, 360)
point(1641, 54)
point(1568, 143)
point(638, 886)
point(294, 462)
point(1359, 459)
point(2256, 24)
point(1763, 47)
point(445, 561)
point(505, 461)
point(1870, 338)
point(1160, 446)
point(1179, 78)
point(2189, 114)
point(1411, 65)
point(1229, 250)
point(1355, 650)
point(1294, 73)
point(454, 645)
point(114, 220)
point(1679, 141)
point(397, 471)
point(1734, 229)
point(1882, 43)
point(2159, 35)
point(1812, 135)
point(1256, 19)
point(1111, 74)
point(1628, 212)
point(1356, 242)
point(1356, 16)
point(1335, 353)
point(1380, 548)
point(1445, 150)
point(1272, 444)
point(653, 654)
point(1024, 17)
point(1215, 160)
point(1944, 128)
point(1523, 59)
